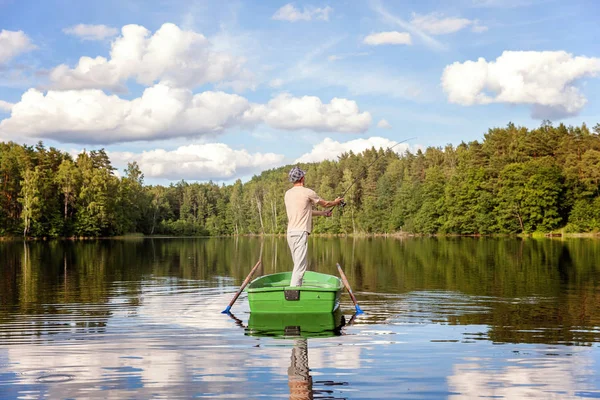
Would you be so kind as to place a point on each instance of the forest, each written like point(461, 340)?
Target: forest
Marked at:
point(514, 181)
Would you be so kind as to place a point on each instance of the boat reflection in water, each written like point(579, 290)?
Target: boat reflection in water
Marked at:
point(299, 328)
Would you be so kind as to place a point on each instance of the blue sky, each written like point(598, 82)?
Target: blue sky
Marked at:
point(222, 90)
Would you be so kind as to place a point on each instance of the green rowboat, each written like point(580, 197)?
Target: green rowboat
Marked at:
point(319, 293)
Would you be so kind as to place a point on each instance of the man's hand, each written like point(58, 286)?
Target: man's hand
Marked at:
point(338, 200)
point(328, 213)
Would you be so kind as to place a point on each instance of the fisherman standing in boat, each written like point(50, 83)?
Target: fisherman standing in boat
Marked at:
point(299, 202)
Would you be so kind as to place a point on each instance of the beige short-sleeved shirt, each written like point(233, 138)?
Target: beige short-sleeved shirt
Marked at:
point(298, 205)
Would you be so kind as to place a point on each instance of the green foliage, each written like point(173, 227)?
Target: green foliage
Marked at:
point(429, 218)
point(529, 196)
point(515, 181)
point(30, 199)
point(68, 180)
point(585, 216)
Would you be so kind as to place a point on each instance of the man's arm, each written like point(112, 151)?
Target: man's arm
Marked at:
point(326, 213)
point(325, 203)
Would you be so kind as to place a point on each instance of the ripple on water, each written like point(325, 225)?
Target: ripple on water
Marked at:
point(55, 378)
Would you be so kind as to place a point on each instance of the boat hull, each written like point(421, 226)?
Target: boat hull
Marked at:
point(319, 293)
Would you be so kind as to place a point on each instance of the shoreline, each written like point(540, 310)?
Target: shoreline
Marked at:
point(398, 235)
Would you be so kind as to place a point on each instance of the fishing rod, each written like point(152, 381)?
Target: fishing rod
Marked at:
point(343, 203)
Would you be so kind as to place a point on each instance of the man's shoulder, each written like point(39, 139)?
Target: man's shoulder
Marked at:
point(291, 192)
point(301, 190)
point(298, 189)
point(308, 191)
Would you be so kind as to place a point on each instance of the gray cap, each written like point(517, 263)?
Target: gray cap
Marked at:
point(296, 174)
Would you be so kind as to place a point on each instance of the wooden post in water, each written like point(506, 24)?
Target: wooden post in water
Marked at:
point(345, 280)
point(246, 281)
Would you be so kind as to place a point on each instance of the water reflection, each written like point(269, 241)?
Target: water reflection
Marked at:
point(444, 318)
point(295, 324)
point(298, 328)
point(299, 379)
point(541, 373)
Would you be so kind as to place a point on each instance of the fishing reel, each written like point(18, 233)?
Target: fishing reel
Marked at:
point(342, 204)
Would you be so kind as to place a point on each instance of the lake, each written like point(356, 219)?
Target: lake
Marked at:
point(456, 318)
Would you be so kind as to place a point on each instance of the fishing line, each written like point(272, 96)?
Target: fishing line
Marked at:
point(343, 203)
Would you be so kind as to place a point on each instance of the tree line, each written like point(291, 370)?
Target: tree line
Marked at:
point(515, 180)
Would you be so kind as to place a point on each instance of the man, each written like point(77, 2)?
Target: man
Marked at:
point(299, 201)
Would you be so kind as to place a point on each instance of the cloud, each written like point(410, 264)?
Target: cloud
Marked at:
point(419, 33)
point(91, 32)
point(383, 124)
point(370, 81)
point(330, 149)
point(438, 24)
point(507, 3)
point(337, 57)
point(276, 83)
point(215, 161)
point(292, 14)
point(546, 80)
point(374, 81)
point(308, 112)
point(477, 28)
point(394, 37)
point(13, 43)
point(5, 106)
point(183, 58)
point(92, 116)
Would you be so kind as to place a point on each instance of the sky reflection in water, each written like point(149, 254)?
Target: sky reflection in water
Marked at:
point(160, 333)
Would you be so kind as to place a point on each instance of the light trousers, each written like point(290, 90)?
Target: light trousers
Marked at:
point(298, 242)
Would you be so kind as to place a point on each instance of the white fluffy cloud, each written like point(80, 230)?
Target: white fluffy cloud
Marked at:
point(13, 43)
point(546, 80)
point(92, 116)
point(394, 37)
point(330, 149)
point(91, 32)
point(308, 112)
point(383, 124)
point(438, 24)
point(5, 106)
point(292, 14)
point(215, 161)
point(182, 58)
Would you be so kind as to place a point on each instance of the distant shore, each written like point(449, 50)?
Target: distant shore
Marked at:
point(136, 236)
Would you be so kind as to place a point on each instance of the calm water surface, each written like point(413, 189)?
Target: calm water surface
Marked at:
point(445, 318)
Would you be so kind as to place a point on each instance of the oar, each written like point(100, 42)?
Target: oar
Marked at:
point(226, 311)
point(345, 280)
